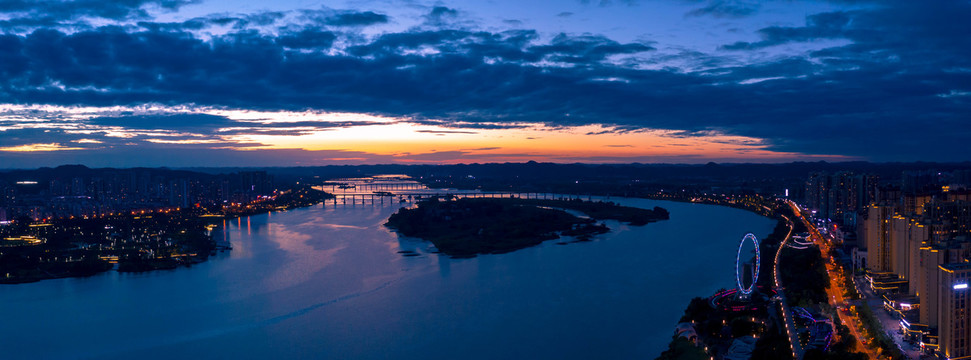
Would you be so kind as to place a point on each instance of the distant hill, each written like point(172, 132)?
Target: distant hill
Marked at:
point(649, 172)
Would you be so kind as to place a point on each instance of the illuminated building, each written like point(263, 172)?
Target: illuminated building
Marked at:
point(951, 218)
point(928, 289)
point(906, 236)
point(879, 248)
point(954, 322)
point(840, 196)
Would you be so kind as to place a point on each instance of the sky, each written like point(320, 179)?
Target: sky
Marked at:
point(300, 83)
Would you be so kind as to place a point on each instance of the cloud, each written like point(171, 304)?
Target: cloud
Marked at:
point(264, 18)
point(176, 155)
point(185, 155)
point(456, 156)
point(25, 24)
point(68, 9)
point(468, 125)
point(586, 48)
point(308, 39)
point(290, 21)
point(610, 2)
point(819, 26)
point(725, 9)
point(892, 68)
point(236, 21)
point(179, 122)
point(11, 138)
point(352, 18)
point(33, 148)
point(445, 132)
point(440, 16)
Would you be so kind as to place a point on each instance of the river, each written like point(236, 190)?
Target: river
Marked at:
point(328, 282)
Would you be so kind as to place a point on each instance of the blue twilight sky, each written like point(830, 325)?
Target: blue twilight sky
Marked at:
point(298, 82)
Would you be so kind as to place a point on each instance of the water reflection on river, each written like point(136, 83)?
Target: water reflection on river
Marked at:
point(328, 282)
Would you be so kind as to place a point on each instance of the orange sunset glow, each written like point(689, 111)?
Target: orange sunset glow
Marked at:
point(348, 138)
point(532, 142)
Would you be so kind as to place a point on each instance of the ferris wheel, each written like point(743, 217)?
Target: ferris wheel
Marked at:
point(740, 265)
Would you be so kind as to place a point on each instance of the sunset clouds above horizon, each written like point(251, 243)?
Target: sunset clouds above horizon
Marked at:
point(250, 83)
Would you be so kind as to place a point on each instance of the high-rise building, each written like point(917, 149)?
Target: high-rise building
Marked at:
point(840, 197)
point(916, 234)
point(917, 182)
point(913, 204)
point(880, 252)
point(954, 323)
point(906, 236)
point(931, 257)
point(843, 197)
point(951, 219)
point(817, 193)
point(867, 192)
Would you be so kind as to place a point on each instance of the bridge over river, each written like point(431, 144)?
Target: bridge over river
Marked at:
point(373, 191)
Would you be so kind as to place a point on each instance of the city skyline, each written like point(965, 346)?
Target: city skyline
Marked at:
point(302, 83)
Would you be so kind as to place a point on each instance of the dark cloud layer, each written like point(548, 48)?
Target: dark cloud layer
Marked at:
point(896, 88)
point(35, 136)
point(725, 9)
point(820, 26)
point(357, 19)
point(28, 14)
point(179, 122)
point(344, 17)
point(72, 9)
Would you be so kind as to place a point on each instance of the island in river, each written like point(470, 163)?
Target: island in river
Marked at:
point(470, 226)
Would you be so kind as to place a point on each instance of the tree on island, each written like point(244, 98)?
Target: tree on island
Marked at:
point(467, 227)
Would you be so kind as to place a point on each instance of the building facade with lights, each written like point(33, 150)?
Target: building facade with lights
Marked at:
point(953, 328)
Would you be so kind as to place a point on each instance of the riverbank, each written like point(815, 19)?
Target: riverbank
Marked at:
point(718, 321)
point(803, 275)
point(129, 242)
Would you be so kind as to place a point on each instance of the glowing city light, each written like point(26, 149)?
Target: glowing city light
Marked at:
point(738, 264)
